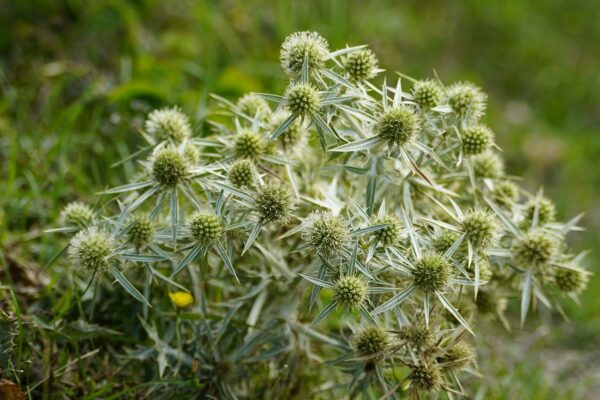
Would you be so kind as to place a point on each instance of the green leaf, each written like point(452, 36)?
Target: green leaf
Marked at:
point(358, 145)
point(394, 301)
point(128, 286)
point(453, 311)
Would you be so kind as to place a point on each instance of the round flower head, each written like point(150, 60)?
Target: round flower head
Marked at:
point(467, 100)
point(570, 281)
point(444, 240)
point(488, 165)
point(254, 106)
point(360, 65)
point(294, 133)
point(169, 167)
point(76, 214)
point(534, 249)
point(490, 302)
point(91, 249)
point(206, 228)
point(546, 211)
point(505, 192)
point(191, 153)
point(427, 93)
point(431, 273)
point(299, 45)
point(241, 173)
point(274, 204)
point(140, 230)
point(459, 355)
point(476, 139)
point(370, 341)
point(350, 291)
point(426, 378)
point(417, 336)
point(248, 144)
point(390, 234)
point(168, 124)
point(181, 299)
point(480, 227)
point(325, 233)
point(302, 99)
point(398, 126)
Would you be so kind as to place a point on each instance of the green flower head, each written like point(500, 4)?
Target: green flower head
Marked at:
point(325, 233)
point(350, 291)
point(371, 341)
point(91, 249)
point(274, 203)
point(431, 273)
point(206, 228)
point(398, 126)
point(302, 100)
point(76, 214)
point(168, 124)
point(427, 93)
point(476, 139)
point(169, 166)
point(360, 65)
point(299, 45)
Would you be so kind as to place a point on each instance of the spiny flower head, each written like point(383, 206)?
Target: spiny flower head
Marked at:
point(476, 139)
point(427, 93)
point(426, 378)
point(505, 192)
point(274, 204)
point(168, 124)
point(459, 355)
point(254, 106)
point(546, 211)
point(169, 166)
point(534, 249)
point(467, 100)
point(350, 291)
point(398, 125)
point(76, 214)
point(488, 165)
point(241, 173)
point(141, 230)
point(480, 227)
point(91, 249)
point(431, 272)
point(248, 144)
point(370, 341)
point(418, 336)
point(360, 65)
point(192, 154)
point(299, 45)
point(570, 281)
point(206, 228)
point(390, 234)
point(325, 233)
point(302, 99)
point(294, 133)
point(444, 240)
point(181, 299)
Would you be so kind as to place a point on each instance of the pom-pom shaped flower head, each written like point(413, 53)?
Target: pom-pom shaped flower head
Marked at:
point(168, 124)
point(467, 101)
point(505, 192)
point(325, 233)
point(418, 336)
point(426, 378)
point(570, 281)
point(302, 100)
point(534, 249)
point(476, 139)
point(254, 106)
point(294, 133)
point(248, 144)
point(91, 249)
point(181, 299)
point(241, 173)
point(427, 93)
point(459, 355)
point(169, 166)
point(389, 235)
point(140, 231)
point(350, 291)
point(300, 45)
point(398, 126)
point(205, 228)
point(274, 204)
point(371, 341)
point(76, 214)
point(431, 273)
point(360, 65)
point(480, 227)
point(545, 209)
point(488, 165)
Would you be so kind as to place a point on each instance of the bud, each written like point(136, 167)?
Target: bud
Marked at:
point(488, 165)
point(398, 126)
point(570, 281)
point(427, 93)
point(534, 249)
point(350, 291)
point(325, 233)
point(299, 45)
point(480, 227)
point(76, 214)
point(254, 106)
point(192, 154)
point(360, 65)
point(249, 144)
point(206, 228)
point(418, 336)
point(241, 173)
point(168, 124)
point(467, 100)
point(390, 234)
point(476, 139)
point(431, 273)
point(274, 204)
point(426, 378)
point(91, 249)
point(169, 167)
point(372, 340)
point(181, 299)
point(444, 241)
point(302, 99)
point(140, 230)
point(546, 211)
point(505, 192)
point(459, 355)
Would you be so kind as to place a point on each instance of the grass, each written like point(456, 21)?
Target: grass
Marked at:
point(77, 77)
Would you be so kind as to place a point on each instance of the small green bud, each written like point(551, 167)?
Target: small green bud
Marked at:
point(505, 192)
point(206, 229)
point(444, 240)
point(488, 165)
point(398, 126)
point(292, 135)
point(350, 291)
point(299, 45)
point(427, 93)
point(480, 227)
point(325, 233)
point(467, 100)
point(168, 124)
point(241, 173)
point(249, 144)
point(546, 211)
point(141, 230)
point(426, 378)
point(274, 204)
point(169, 167)
point(569, 280)
point(302, 100)
point(372, 340)
point(476, 139)
point(534, 249)
point(431, 273)
point(76, 214)
point(360, 65)
point(418, 336)
point(459, 355)
point(91, 249)
point(390, 234)
point(254, 106)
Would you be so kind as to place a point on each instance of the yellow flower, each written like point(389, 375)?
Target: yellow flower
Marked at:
point(181, 299)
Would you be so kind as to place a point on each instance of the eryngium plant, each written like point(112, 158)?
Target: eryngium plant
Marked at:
point(344, 233)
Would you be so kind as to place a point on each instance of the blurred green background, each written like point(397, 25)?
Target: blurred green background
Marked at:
point(77, 77)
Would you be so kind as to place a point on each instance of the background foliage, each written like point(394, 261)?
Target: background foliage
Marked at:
point(77, 77)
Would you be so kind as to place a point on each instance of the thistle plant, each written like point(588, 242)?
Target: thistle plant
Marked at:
point(400, 225)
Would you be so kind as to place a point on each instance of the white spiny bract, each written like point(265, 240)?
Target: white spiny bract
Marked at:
point(381, 206)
